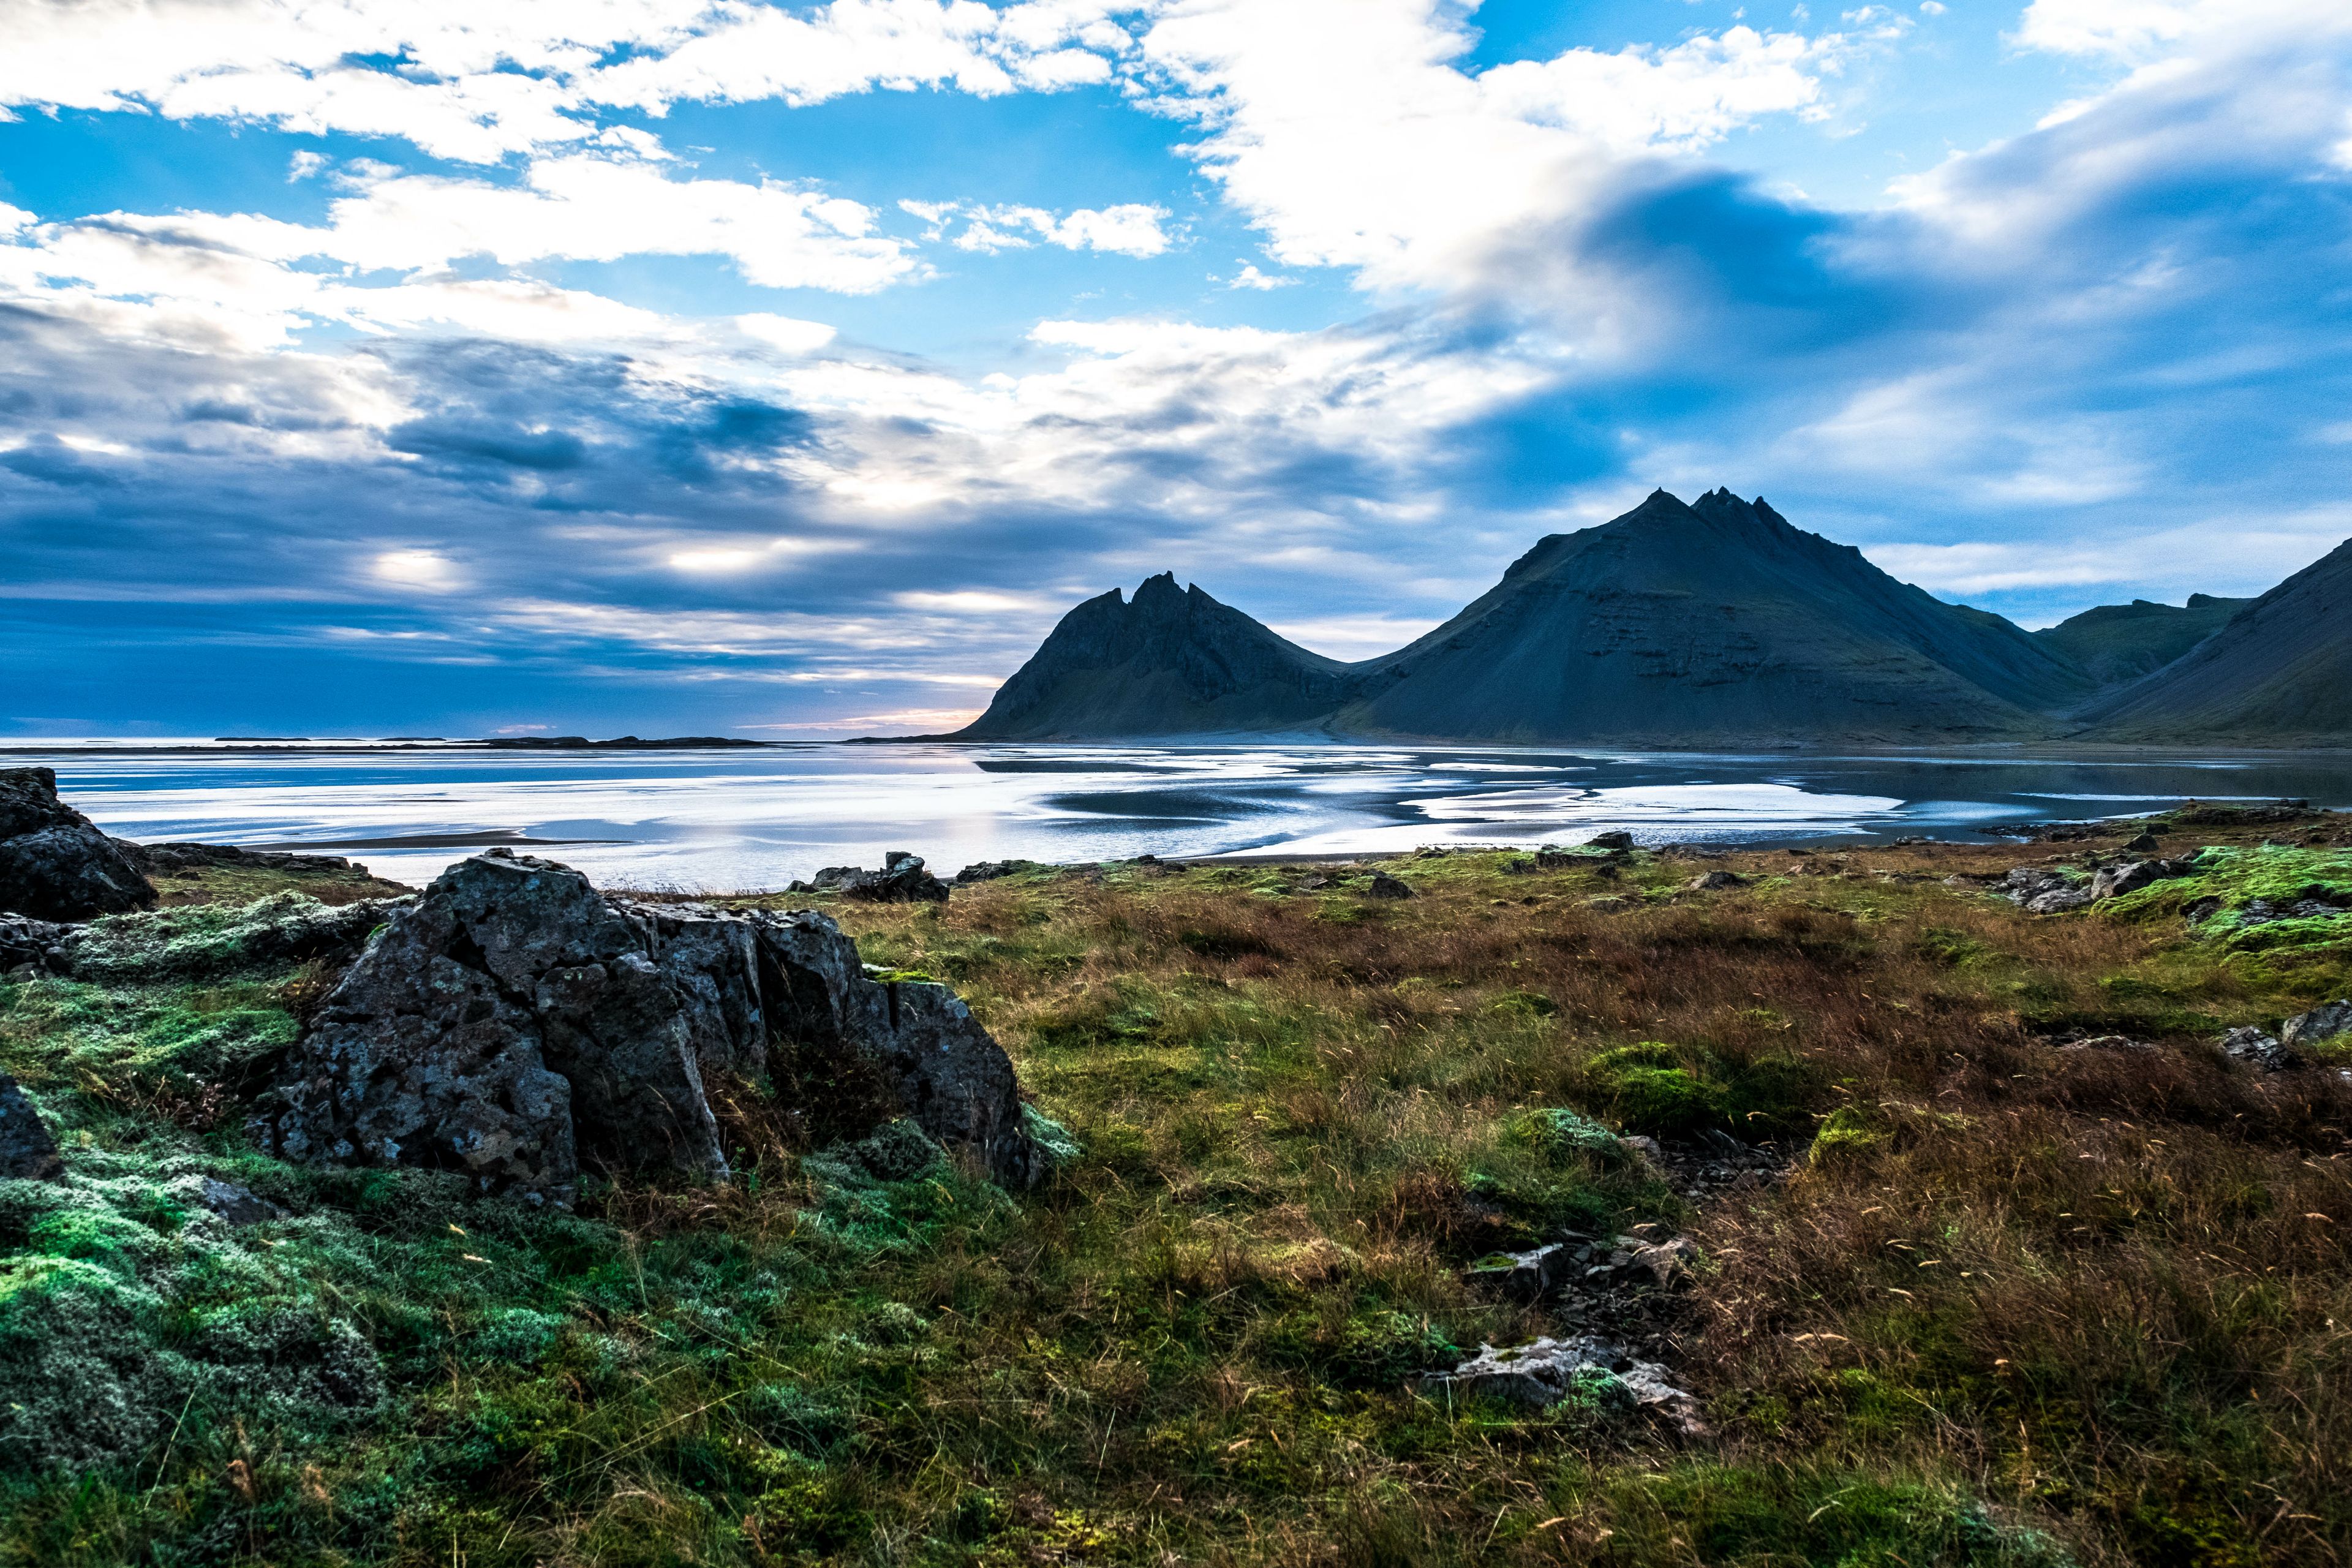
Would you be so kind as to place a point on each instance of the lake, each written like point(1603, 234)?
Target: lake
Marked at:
point(738, 820)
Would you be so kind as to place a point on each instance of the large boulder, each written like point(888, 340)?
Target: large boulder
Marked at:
point(2331, 1022)
point(518, 1026)
point(55, 865)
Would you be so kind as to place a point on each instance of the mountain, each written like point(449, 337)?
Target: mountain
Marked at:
point(1716, 623)
point(1713, 623)
point(1172, 661)
point(2116, 643)
point(2280, 671)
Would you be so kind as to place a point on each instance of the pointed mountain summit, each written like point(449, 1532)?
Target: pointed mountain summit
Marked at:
point(1710, 623)
point(1714, 624)
point(2279, 671)
point(1172, 661)
point(2120, 643)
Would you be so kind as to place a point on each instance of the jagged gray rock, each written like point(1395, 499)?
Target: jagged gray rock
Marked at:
point(901, 880)
point(2328, 1023)
point(1548, 1371)
point(55, 865)
point(1384, 886)
point(2257, 1047)
point(28, 1152)
point(517, 1024)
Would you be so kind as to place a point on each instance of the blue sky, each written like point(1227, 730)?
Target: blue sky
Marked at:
point(667, 366)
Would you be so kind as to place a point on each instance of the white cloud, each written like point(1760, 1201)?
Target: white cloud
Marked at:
point(1389, 158)
point(1249, 276)
point(477, 83)
point(1129, 229)
point(426, 569)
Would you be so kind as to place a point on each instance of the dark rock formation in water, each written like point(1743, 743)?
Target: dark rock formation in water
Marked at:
point(1705, 624)
point(2279, 671)
point(2114, 644)
point(54, 864)
point(517, 1025)
point(1172, 661)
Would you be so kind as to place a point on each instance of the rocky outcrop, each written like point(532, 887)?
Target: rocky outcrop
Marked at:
point(902, 881)
point(517, 1024)
point(28, 1152)
point(54, 864)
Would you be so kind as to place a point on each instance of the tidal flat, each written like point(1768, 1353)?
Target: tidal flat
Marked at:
point(1996, 1255)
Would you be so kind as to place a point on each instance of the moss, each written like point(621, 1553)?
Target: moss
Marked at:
point(1846, 1135)
point(1646, 1089)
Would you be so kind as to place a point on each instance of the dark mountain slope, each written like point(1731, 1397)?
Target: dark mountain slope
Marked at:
point(2279, 671)
point(2116, 643)
point(1174, 661)
point(1712, 624)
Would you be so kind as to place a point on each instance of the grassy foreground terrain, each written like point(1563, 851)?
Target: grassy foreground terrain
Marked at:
point(2013, 1303)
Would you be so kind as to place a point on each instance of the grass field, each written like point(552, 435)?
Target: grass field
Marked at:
point(2017, 1299)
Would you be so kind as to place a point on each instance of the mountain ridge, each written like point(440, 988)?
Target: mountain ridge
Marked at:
point(1692, 624)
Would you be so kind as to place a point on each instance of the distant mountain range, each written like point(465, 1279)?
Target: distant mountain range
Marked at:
point(1710, 623)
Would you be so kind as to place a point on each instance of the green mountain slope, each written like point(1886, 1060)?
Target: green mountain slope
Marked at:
point(2279, 672)
point(2118, 642)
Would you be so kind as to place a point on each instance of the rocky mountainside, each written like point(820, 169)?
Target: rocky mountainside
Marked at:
point(2118, 642)
point(1171, 662)
point(1708, 624)
point(2279, 671)
point(1715, 623)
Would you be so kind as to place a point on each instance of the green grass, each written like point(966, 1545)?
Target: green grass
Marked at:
point(2021, 1305)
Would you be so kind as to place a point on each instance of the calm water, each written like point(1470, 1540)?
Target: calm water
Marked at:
point(740, 820)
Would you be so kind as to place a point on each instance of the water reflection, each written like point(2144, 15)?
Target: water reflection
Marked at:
point(755, 819)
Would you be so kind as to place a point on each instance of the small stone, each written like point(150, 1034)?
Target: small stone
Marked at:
point(1615, 838)
point(237, 1205)
point(1384, 885)
point(28, 1152)
point(1715, 881)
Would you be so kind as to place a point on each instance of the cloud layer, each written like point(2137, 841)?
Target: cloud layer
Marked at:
point(402, 435)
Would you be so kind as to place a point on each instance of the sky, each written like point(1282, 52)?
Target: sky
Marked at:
point(669, 366)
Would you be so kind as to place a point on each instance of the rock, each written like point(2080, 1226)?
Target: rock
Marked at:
point(2131, 876)
point(1643, 1149)
point(2058, 900)
point(1667, 1261)
point(1712, 881)
point(27, 1152)
point(2108, 1042)
point(938, 1065)
point(1615, 838)
point(54, 864)
point(198, 939)
point(2328, 1023)
point(237, 1205)
point(993, 870)
point(901, 880)
point(1384, 885)
point(515, 1024)
point(2258, 1049)
point(34, 947)
point(1523, 1276)
point(2144, 844)
point(1548, 1371)
point(1611, 904)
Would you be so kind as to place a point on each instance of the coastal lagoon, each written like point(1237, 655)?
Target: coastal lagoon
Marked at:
point(756, 818)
